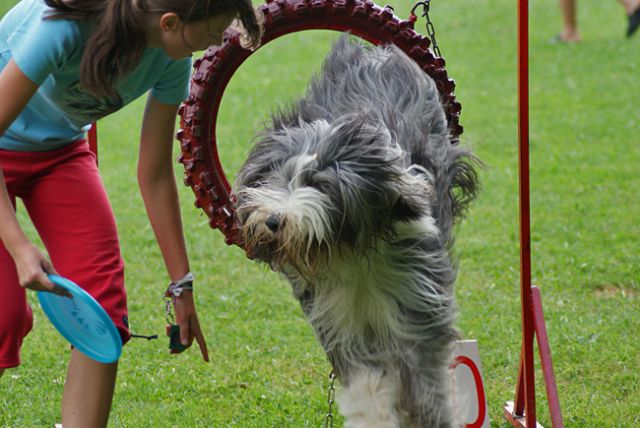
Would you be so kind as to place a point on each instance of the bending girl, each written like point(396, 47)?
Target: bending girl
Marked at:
point(65, 64)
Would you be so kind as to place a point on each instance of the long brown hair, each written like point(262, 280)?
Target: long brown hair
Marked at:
point(118, 39)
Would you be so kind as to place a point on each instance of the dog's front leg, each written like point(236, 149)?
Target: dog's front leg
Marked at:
point(369, 399)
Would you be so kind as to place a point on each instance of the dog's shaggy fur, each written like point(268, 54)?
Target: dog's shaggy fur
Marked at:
point(352, 195)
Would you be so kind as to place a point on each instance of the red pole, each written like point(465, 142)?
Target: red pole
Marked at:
point(532, 314)
point(92, 136)
point(525, 220)
point(545, 361)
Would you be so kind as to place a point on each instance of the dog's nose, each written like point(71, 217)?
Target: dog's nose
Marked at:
point(273, 223)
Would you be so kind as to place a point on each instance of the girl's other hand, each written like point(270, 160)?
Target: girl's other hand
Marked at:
point(33, 267)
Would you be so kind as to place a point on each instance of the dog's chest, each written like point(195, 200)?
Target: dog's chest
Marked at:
point(357, 295)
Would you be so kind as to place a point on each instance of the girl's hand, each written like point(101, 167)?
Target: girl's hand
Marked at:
point(33, 267)
point(187, 320)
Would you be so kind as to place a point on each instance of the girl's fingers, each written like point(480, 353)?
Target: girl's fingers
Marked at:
point(202, 343)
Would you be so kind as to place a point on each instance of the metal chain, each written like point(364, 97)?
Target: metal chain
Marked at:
point(431, 32)
point(168, 314)
point(331, 398)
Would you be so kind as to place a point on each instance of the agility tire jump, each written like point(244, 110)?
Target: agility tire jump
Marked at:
point(198, 114)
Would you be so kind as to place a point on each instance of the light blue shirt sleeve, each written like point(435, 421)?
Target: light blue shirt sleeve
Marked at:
point(172, 86)
point(44, 47)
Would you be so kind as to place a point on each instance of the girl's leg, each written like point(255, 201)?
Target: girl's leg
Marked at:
point(88, 392)
point(70, 209)
point(570, 21)
point(630, 6)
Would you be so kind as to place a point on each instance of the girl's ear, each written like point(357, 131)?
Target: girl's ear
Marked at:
point(169, 21)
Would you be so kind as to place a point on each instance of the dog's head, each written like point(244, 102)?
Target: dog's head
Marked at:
point(311, 190)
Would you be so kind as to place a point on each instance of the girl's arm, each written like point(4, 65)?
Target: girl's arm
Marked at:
point(17, 89)
point(160, 194)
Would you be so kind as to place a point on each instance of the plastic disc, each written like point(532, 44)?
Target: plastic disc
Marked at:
point(82, 321)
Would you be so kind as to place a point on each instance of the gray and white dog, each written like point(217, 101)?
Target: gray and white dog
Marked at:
point(352, 194)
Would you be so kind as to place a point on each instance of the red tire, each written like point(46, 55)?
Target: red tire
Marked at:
point(212, 73)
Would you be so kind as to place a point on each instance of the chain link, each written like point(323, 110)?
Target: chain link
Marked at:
point(168, 314)
point(431, 32)
point(331, 399)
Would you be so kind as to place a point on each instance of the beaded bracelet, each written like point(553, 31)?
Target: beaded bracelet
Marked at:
point(176, 288)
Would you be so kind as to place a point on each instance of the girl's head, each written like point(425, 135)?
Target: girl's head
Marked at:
point(124, 28)
point(200, 23)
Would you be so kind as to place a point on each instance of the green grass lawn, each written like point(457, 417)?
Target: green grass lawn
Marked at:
point(266, 368)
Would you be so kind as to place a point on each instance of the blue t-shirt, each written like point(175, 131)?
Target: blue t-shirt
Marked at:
point(49, 52)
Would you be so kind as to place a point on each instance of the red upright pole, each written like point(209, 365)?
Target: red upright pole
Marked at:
point(92, 136)
point(527, 359)
point(522, 413)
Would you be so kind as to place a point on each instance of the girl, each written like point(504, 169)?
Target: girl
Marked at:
point(65, 64)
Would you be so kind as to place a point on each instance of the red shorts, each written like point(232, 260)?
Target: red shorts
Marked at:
point(66, 201)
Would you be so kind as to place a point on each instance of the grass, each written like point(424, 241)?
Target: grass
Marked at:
point(267, 369)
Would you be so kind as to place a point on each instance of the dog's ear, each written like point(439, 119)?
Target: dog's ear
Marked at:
point(373, 187)
point(416, 196)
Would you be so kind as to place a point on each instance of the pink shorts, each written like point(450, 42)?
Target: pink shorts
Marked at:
point(66, 201)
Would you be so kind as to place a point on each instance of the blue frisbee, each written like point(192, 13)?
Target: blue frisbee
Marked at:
point(82, 321)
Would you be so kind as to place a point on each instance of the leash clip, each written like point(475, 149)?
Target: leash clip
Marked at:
point(175, 290)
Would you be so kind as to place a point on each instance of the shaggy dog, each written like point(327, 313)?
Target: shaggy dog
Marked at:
point(352, 194)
